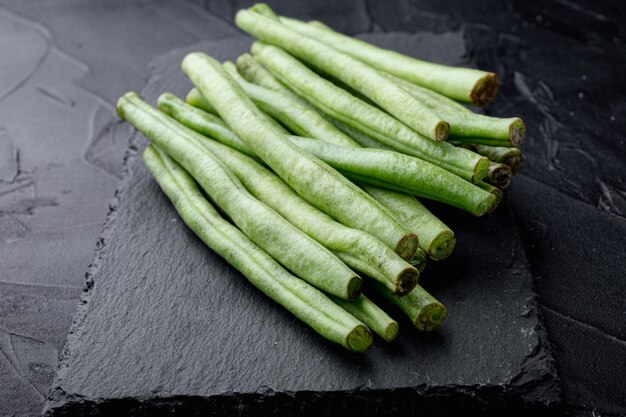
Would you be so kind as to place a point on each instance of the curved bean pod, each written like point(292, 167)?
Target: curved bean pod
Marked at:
point(260, 22)
point(434, 236)
point(401, 172)
point(312, 179)
point(302, 300)
point(283, 241)
point(341, 105)
point(356, 248)
point(462, 84)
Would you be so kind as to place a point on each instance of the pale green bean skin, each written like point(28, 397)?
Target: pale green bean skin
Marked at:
point(358, 249)
point(341, 105)
point(312, 179)
point(373, 316)
point(300, 119)
point(396, 171)
point(199, 120)
point(426, 313)
point(461, 84)
point(435, 237)
point(273, 233)
point(463, 122)
point(351, 71)
point(305, 302)
point(254, 72)
point(196, 99)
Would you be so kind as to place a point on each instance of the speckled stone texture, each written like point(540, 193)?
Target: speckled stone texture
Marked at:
point(184, 331)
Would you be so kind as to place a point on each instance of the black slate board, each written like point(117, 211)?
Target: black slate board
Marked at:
point(167, 326)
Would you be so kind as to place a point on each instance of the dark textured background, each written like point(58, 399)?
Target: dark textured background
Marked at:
point(61, 155)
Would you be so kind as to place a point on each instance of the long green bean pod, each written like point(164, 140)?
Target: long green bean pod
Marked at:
point(341, 105)
point(499, 175)
point(312, 179)
point(396, 171)
point(373, 316)
point(436, 238)
point(463, 122)
point(508, 156)
point(300, 119)
point(260, 22)
point(264, 226)
point(305, 302)
point(426, 313)
point(461, 84)
point(358, 249)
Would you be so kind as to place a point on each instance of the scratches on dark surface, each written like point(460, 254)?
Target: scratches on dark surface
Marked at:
point(15, 37)
point(107, 141)
point(55, 96)
point(9, 158)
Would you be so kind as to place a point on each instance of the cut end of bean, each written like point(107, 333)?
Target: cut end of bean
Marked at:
point(500, 175)
point(480, 170)
point(430, 317)
point(391, 332)
point(407, 280)
point(489, 204)
point(517, 132)
point(442, 131)
point(355, 288)
point(359, 339)
point(514, 162)
point(442, 246)
point(407, 246)
point(485, 89)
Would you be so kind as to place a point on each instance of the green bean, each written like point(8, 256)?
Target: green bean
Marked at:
point(274, 234)
point(202, 122)
point(464, 123)
point(260, 22)
point(461, 84)
point(373, 316)
point(300, 119)
point(426, 313)
point(305, 302)
point(436, 238)
point(312, 179)
point(196, 99)
point(357, 249)
point(396, 171)
point(499, 175)
point(367, 119)
point(508, 156)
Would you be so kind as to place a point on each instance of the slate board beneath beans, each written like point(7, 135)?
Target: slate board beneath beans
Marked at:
point(166, 326)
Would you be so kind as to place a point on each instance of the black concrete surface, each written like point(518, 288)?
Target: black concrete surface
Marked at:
point(61, 155)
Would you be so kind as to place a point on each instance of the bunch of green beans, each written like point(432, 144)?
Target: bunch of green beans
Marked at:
point(319, 175)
